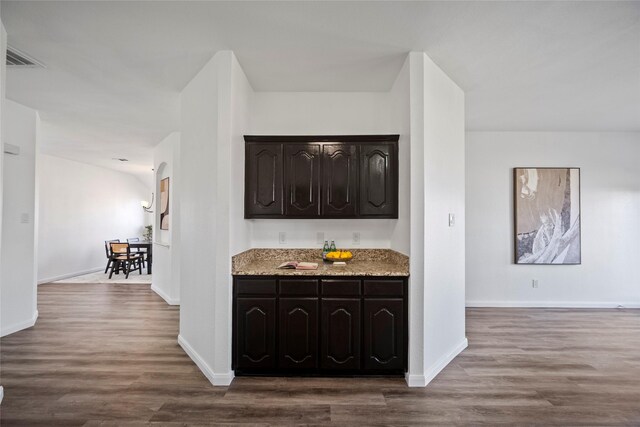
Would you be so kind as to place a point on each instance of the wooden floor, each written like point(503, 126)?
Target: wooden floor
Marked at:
point(107, 355)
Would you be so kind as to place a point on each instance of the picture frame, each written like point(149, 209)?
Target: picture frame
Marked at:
point(164, 204)
point(547, 215)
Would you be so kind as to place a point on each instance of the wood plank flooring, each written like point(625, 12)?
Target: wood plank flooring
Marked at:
point(106, 355)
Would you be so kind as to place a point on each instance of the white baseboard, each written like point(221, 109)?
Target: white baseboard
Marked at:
point(164, 296)
point(67, 276)
point(415, 380)
point(553, 304)
point(217, 379)
point(19, 326)
point(433, 371)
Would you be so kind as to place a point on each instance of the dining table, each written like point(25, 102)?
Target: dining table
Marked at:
point(147, 246)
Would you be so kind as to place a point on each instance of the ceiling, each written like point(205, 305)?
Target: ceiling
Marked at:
point(114, 70)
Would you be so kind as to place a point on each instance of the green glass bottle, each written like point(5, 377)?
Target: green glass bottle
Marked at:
point(325, 250)
point(333, 246)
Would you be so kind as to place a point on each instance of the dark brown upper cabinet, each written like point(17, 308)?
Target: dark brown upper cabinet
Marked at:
point(378, 181)
point(352, 176)
point(339, 179)
point(263, 180)
point(302, 180)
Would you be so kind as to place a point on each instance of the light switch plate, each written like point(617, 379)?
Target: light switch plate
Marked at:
point(356, 238)
point(24, 218)
point(282, 237)
point(452, 220)
point(319, 238)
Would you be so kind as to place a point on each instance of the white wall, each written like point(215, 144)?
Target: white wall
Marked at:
point(17, 270)
point(235, 96)
point(444, 250)
point(81, 206)
point(328, 113)
point(610, 187)
point(198, 215)
point(3, 68)
point(212, 106)
point(400, 116)
point(415, 375)
point(436, 303)
point(166, 248)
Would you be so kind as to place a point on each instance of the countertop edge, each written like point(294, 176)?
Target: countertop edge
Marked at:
point(319, 275)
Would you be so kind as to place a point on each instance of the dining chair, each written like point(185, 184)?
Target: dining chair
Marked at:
point(107, 249)
point(124, 260)
point(138, 250)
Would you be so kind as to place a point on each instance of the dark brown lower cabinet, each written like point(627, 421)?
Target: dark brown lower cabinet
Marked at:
point(315, 326)
point(298, 333)
point(383, 333)
point(340, 337)
point(255, 333)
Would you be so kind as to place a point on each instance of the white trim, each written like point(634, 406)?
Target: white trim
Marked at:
point(415, 380)
point(442, 363)
point(554, 304)
point(68, 276)
point(164, 245)
point(20, 326)
point(215, 379)
point(424, 380)
point(164, 296)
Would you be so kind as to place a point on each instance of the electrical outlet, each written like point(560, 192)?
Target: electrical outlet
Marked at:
point(356, 238)
point(452, 220)
point(282, 237)
point(319, 238)
point(534, 283)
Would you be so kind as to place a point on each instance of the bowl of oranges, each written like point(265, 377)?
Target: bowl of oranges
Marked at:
point(339, 256)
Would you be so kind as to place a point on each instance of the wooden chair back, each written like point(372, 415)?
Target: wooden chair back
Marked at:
point(120, 248)
point(107, 246)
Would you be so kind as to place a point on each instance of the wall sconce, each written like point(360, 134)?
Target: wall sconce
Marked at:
point(146, 205)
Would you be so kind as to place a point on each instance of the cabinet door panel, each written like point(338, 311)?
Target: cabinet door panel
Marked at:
point(255, 332)
point(378, 181)
point(340, 336)
point(339, 181)
point(302, 179)
point(263, 189)
point(298, 333)
point(383, 334)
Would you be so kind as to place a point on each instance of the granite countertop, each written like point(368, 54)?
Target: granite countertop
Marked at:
point(365, 262)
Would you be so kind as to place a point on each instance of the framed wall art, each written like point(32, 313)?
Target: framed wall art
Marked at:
point(164, 204)
point(547, 216)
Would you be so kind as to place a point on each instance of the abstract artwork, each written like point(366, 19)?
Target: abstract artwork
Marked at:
point(547, 215)
point(164, 204)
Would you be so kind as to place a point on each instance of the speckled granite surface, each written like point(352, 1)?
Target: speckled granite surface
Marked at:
point(365, 262)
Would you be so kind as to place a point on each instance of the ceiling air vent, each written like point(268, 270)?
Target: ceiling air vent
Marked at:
point(15, 58)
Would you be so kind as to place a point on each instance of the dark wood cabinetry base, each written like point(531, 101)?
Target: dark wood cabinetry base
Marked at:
point(320, 326)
